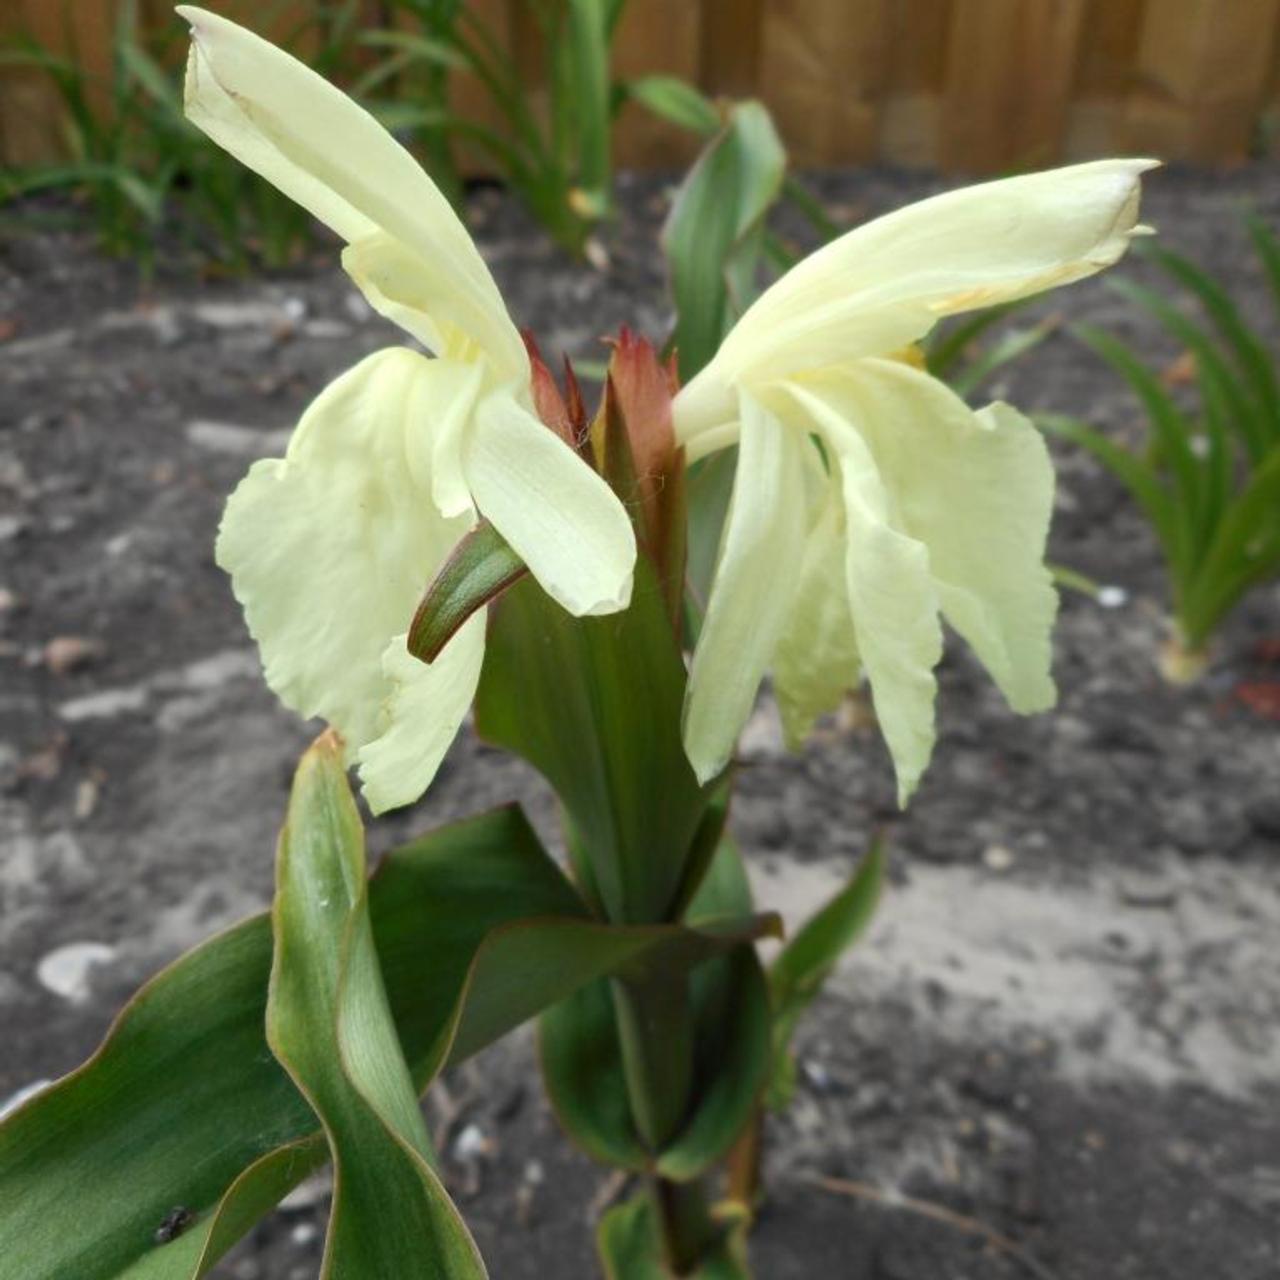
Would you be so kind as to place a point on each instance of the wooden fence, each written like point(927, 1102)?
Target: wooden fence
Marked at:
point(960, 85)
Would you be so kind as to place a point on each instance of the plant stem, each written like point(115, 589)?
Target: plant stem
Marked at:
point(655, 1027)
point(744, 1164)
point(685, 1221)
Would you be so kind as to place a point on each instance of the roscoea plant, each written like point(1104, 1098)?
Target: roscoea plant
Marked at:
point(448, 527)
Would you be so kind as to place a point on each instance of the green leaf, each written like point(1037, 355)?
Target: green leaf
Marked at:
point(676, 101)
point(329, 1024)
point(480, 568)
point(595, 705)
point(714, 233)
point(184, 1104)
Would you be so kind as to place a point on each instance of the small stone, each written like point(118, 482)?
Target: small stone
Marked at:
point(235, 440)
point(471, 1143)
point(64, 654)
point(998, 857)
point(11, 527)
point(1112, 597)
point(104, 704)
point(1147, 889)
point(66, 970)
point(304, 1233)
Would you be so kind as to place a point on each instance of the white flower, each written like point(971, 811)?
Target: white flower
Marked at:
point(331, 547)
point(869, 498)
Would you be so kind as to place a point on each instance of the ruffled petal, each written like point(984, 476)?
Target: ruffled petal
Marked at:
point(329, 548)
point(751, 594)
point(312, 142)
point(882, 285)
point(560, 517)
point(891, 597)
point(816, 661)
point(424, 711)
point(977, 490)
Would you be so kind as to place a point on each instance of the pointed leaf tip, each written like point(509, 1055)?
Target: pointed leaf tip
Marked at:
point(483, 565)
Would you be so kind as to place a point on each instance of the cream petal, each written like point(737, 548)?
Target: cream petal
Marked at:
point(560, 516)
point(977, 490)
point(816, 660)
point(891, 598)
point(306, 137)
point(882, 285)
point(752, 590)
point(424, 711)
point(420, 295)
point(329, 548)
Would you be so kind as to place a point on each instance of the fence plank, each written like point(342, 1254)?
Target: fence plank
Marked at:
point(730, 47)
point(1204, 67)
point(1105, 77)
point(656, 37)
point(911, 113)
point(1010, 68)
point(823, 73)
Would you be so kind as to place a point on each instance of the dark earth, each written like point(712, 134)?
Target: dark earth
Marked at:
point(1058, 1052)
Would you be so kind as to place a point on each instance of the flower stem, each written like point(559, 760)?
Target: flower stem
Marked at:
point(655, 1027)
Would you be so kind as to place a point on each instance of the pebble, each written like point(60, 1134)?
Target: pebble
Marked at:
point(1147, 889)
point(236, 441)
point(11, 527)
point(104, 704)
point(304, 1233)
point(65, 971)
point(998, 857)
point(64, 654)
point(1112, 597)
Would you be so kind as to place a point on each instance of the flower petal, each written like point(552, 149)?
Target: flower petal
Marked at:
point(882, 285)
point(329, 547)
point(977, 490)
point(752, 591)
point(559, 515)
point(816, 661)
point(891, 598)
point(424, 711)
point(307, 138)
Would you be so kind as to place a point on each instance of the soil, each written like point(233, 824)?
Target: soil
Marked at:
point(1058, 1052)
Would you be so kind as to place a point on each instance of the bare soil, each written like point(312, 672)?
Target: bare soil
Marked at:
point(1058, 1053)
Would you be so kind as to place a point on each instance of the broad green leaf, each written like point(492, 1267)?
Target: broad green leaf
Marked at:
point(184, 1105)
point(714, 233)
point(595, 705)
point(481, 567)
point(329, 1024)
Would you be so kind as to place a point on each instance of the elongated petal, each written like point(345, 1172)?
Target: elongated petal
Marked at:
point(753, 588)
point(977, 490)
point(558, 514)
point(892, 599)
point(424, 711)
point(882, 285)
point(304, 136)
point(817, 657)
point(329, 547)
